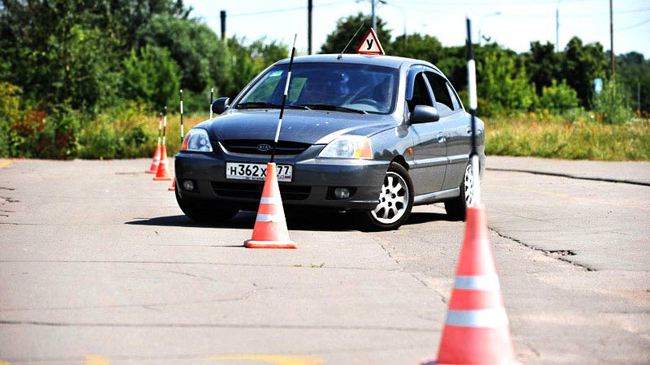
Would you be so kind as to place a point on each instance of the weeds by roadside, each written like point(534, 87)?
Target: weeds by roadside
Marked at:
point(574, 136)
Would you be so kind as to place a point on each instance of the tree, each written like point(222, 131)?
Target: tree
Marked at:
point(503, 82)
point(151, 78)
point(201, 56)
point(542, 64)
point(580, 65)
point(344, 32)
point(250, 60)
point(417, 46)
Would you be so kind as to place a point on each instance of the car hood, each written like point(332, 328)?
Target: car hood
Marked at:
point(305, 126)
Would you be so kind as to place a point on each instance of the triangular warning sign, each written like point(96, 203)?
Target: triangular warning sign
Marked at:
point(370, 44)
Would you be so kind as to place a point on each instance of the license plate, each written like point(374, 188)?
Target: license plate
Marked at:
point(256, 171)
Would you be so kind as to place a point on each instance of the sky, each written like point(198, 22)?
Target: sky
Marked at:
point(513, 24)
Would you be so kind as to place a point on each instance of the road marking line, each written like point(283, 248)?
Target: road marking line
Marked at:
point(3, 164)
point(278, 360)
point(96, 360)
point(565, 196)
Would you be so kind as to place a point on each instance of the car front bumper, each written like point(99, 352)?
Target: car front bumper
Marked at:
point(313, 183)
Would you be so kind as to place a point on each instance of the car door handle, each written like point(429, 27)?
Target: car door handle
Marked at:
point(441, 138)
point(469, 129)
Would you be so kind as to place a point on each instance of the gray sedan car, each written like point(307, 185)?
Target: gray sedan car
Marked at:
point(371, 135)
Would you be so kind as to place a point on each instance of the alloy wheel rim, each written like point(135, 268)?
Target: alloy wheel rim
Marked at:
point(393, 199)
point(468, 184)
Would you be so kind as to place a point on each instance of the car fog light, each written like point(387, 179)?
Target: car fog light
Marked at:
point(341, 193)
point(188, 185)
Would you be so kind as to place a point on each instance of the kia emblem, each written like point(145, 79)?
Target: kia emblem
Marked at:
point(263, 147)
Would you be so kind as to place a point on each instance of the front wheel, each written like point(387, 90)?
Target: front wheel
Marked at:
point(395, 202)
point(457, 208)
point(205, 211)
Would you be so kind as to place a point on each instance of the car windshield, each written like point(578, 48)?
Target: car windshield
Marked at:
point(343, 87)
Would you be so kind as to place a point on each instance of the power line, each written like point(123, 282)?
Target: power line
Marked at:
point(485, 3)
point(282, 10)
point(635, 25)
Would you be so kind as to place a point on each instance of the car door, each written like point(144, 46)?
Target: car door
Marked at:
point(429, 151)
point(455, 124)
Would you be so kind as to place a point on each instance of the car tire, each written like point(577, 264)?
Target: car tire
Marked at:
point(457, 207)
point(205, 212)
point(395, 202)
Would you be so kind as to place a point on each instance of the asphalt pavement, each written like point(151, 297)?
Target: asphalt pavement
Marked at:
point(98, 265)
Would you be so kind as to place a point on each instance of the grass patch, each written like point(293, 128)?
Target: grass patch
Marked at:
point(578, 137)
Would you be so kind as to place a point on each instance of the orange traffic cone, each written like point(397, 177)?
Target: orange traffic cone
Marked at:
point(476, 330)
point(270, 229)
point(163, 170)
point(173, 187)
point(156, 161)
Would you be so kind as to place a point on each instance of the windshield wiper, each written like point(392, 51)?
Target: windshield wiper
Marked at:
point(260, 104)
point(333, 107)
point(257, 104)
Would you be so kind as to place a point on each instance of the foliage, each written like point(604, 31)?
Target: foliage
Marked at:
point(151, 77)
point(542, 64)
point(613, 103)
point(248, 60)
point(584, 137)
point(344, 33)
point(558, 98)
point(504, 83)
point(417, 46)
point(580, 65)
point(201, 56)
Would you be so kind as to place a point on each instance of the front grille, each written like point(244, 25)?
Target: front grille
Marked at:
point(254, 191)
point(250, 147)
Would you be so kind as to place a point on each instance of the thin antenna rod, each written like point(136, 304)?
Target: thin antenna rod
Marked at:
point(284, 99)
point(350, 41)
point(471, 78)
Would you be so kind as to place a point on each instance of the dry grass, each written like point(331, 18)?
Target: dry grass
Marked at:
point(573, 138)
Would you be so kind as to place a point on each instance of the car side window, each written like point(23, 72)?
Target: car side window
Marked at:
point(420, 93)
point(443, 99)
point(457, 103)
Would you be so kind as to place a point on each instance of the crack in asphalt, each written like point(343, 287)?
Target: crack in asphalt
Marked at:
point(218, 325)
point(575, 177)
point(148, 306)
point(403, 269)
point(559, 255)
point(292, 266)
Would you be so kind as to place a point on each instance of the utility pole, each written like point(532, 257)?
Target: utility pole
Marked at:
point(611, 37)
point(310, 7)
point(374, 20)
point(223, 25)
point(557, 29)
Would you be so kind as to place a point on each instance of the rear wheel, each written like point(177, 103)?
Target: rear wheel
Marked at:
point(395, 201)
point(205, 211)
point(456, 208)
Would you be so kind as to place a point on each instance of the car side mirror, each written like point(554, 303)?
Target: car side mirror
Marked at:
point(220, 105)
point(424, 114)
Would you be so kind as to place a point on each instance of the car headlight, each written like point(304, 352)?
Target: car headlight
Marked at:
point(348, 147)
point(197, 140)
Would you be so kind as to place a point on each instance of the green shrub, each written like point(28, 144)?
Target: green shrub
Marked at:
point(119, 132)
point(151, 77)
point(612, 103)
point(558, 98)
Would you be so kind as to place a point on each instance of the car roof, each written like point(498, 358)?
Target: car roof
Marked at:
point(386, 61)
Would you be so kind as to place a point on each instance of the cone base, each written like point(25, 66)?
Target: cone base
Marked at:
point(270, 244)
point(171, 189)
point(151, 172)
point(162, 178)
point(433, 362)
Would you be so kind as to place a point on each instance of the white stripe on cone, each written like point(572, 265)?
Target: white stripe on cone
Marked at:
point(484, 318)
